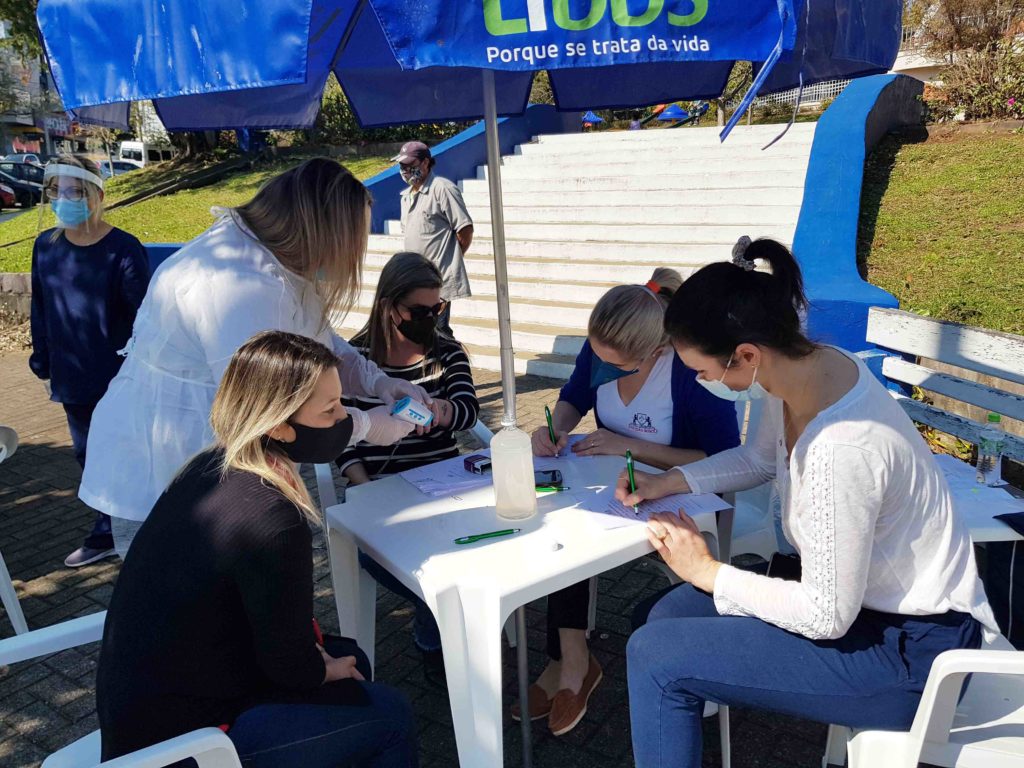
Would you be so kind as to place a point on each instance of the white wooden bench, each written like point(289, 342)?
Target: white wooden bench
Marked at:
point(907, 346)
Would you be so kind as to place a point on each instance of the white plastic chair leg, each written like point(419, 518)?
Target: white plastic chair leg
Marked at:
point(9, 597)
point(723, 730)
point(835, 746)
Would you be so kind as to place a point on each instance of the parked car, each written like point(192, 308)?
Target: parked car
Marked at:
point(119, 167)
point(33, 158)
point(7, 197)
point(25, 179)
point(143, 154)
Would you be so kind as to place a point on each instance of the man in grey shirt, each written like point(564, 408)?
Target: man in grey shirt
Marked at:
point(436, 222)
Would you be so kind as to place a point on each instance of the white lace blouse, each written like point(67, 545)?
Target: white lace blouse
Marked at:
point(867, 508)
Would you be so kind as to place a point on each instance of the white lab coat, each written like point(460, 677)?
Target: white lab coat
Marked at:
point(203, 303)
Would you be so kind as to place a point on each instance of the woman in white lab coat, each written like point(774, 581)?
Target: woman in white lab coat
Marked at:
point(290, 259)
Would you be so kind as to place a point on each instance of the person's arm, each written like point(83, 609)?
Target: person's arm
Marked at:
point(661, 456)
point(457, 382)
point(455, 211)
point(274, 577)
point(360, 377)
point(135, 274)
point(356, 472)
point(465, 238)
point(838, 496)
point(39, 360)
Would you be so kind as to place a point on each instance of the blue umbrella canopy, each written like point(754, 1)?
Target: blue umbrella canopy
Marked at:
point(590, 117)
point(673, 112)
point(264, 63)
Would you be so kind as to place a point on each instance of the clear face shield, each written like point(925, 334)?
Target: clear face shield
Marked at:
point(72, 197)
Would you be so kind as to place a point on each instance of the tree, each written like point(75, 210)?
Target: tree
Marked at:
point(949, 27)
point(22, 30)
point(9, 97)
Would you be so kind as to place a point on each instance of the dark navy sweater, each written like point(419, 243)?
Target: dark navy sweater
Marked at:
point(700, 421)
point(84, 300)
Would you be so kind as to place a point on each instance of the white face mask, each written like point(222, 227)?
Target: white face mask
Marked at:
point(719, 388)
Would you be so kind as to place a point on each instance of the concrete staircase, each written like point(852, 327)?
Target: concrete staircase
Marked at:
point(585, 212)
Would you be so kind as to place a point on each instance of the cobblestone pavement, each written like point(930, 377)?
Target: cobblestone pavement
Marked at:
point(47, 703)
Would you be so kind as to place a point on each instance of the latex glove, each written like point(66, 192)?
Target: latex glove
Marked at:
point(391, 390)
point(49, 389)
point(383, 428)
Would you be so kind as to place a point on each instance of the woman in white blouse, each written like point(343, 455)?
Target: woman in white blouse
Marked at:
point(290, 260)
point(888, 578)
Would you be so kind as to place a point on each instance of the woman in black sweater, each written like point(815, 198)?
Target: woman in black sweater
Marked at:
point(211, 620)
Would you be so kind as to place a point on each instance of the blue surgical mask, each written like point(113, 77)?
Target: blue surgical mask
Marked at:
point(602, 372)
point(719, 388)
point(70, 213)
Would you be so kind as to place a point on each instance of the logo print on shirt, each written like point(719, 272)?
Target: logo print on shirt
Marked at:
point(642, 423)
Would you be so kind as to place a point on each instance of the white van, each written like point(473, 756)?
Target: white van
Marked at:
point(143, 154)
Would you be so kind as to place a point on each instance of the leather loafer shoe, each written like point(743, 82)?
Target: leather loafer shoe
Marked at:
point(568, 708)
point(537, 702)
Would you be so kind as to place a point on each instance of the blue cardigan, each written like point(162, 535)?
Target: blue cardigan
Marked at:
point(700, 421)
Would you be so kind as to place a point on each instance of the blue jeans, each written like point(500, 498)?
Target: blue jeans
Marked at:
point(686, 653)
point(381, 734)
point(425, 633)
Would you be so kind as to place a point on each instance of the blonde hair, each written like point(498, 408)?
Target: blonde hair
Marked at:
point(265, 384)
point(93, 194)
point(315, 218)
point(631, 318)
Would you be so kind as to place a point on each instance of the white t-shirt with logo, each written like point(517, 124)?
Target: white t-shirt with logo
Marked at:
point(648, 416)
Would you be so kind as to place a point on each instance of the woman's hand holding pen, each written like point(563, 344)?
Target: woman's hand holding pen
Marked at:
point(650, 485)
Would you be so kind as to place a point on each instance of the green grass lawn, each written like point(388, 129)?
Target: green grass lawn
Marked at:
point(942, 227)
point(167, 219)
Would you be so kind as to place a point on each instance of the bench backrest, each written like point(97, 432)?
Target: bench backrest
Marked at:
point(915, 340)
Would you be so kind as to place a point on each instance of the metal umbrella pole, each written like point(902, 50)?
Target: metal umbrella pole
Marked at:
point(508, 368)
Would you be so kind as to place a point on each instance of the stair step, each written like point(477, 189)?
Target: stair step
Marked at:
point(752, 197)
point(548, 168)
point(585, 152)
point(678, 254)
point(798, 133)
point(670, 180)
point(529, 288)
point(739, 215)
point(627, 234)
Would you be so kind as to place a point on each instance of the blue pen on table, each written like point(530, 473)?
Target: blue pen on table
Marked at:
point(551, 429)
point(632, 479)
point(481, 536)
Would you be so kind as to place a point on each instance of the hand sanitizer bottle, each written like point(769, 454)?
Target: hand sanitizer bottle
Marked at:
point(515, 494)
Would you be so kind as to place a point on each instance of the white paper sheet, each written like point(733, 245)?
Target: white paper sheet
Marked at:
point(615, 515)
point(445, 477)
point(971, 499)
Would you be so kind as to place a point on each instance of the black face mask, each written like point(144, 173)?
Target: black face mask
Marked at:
point(420, 330)
point(318, 445)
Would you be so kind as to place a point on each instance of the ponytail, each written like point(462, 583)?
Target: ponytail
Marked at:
point(631, 318)
point(724, 305)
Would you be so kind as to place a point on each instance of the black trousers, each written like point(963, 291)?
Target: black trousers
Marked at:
point(79, 420)
point(568, 608)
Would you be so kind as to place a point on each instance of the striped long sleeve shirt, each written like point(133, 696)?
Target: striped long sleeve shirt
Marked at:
point(451, 380)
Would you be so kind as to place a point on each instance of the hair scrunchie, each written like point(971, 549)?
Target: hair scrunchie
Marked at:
point(653, 287)
point(739, 254)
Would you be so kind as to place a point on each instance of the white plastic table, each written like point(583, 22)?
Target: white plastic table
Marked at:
point(472, 589)
point(977, 505)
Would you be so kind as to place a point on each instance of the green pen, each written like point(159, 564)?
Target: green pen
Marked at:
point(552, 487)
point(632, 479)
point(481, 536)
point(551, 429)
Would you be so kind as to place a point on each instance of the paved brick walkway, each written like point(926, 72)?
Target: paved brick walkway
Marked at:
point(48, 703)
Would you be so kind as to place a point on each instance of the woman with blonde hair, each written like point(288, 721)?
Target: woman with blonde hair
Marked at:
point(645, 401)
point(290, 259)
point(225, 637)
point(88, 280)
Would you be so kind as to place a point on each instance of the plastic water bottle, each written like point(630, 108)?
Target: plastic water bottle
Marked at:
point(990, 453)
point(515, 494)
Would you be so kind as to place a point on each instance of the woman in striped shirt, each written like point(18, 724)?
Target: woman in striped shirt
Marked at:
point(403, 339)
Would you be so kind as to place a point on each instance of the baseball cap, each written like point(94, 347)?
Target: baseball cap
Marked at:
point(412, 151)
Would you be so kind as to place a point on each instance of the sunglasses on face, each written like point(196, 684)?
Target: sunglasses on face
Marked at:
point(419, 311)
point(68, 193)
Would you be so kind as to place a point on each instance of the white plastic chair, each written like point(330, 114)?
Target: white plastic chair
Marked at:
point(209, 747)
point(8, 595)
point(983, 729)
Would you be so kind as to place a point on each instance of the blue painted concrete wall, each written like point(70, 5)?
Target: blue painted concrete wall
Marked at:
point(825, 243)
point(458, 157)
